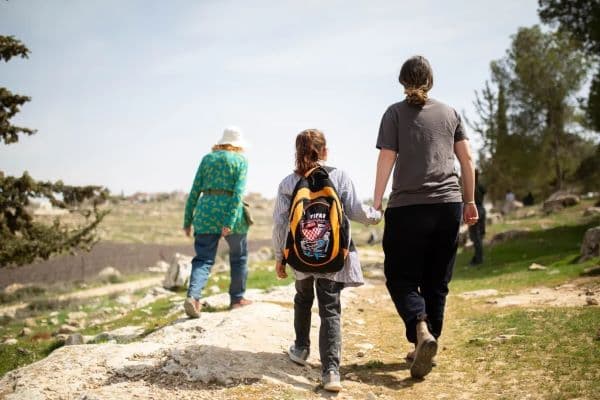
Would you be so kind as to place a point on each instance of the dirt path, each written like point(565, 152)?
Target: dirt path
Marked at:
point(131, 286)
point(241, 355)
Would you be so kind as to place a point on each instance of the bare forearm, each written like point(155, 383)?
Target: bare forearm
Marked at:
point(385, 164)
point(468, 181)
point(463, 153)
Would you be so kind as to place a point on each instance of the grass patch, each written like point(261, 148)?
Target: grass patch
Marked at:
point(263, 279)
point(258, 278)
point(152, 317)
point(559, 343)
point(21, 294)
point(24, 353)
point(506, 264)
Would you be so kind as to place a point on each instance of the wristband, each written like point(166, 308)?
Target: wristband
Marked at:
point(469, 202)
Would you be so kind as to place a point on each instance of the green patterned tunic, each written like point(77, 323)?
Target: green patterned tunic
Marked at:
point(221, 171)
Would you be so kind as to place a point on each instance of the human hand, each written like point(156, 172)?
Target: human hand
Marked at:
point(374, 215)
point(280, 269)
point(470, 214)
point(225, 231)
point(188, 231)
point(378, 204)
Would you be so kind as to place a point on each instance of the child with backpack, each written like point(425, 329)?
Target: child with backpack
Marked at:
point(311, 232)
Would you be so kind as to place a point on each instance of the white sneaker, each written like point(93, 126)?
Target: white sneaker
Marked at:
point(331, 381)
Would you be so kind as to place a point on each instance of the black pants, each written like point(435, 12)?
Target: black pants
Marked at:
point(420, 243)
point(330, 338)
point(476, 234)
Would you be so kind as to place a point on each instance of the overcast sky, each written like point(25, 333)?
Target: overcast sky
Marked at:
point(132, 94)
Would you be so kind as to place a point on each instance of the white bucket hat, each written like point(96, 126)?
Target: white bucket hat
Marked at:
point(233, 135)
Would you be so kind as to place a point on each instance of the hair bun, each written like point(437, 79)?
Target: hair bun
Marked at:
point(416, 95)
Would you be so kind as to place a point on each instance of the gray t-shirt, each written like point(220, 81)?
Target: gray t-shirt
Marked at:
point(424, 139)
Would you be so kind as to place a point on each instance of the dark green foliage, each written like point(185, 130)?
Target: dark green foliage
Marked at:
point(23, 240)
point(11, 47)
point(10, 103)
point(582, 19)
point(593, 103)
point(589, 171)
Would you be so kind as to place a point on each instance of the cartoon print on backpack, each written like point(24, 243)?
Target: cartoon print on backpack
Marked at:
point(316, 230)
point(319, 233)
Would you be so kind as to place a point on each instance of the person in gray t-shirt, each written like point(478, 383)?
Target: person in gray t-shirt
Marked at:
point(419, 138)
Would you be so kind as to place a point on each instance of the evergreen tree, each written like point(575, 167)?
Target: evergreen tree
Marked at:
point(529, 119)
point(22, 239)
point(582, 19)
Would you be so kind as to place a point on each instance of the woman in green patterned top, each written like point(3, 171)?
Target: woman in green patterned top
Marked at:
point(215, 209)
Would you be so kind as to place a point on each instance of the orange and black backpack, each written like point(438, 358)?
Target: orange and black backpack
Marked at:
point(319, 236)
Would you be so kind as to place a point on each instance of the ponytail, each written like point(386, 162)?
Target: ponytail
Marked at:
point(417, 78)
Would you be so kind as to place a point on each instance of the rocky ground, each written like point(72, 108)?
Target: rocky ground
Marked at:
point(241, 354)
point(524, 325)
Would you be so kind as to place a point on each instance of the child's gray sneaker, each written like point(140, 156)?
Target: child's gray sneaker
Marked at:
point(331, 381)
point(297, 355)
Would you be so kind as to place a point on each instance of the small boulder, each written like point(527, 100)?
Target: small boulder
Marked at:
point(591, 211)
point(74, 339)
point(61, 337)
point(179, 271)
point(508, 235)
point(30, 323)
point(67, 329)
point(10, 342)
point(560, 200)
point(25, 332)
point(590, 246)
point(537, 267)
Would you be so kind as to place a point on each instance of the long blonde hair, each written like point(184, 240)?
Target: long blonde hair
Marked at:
point(310, 145)
point(227, 147)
